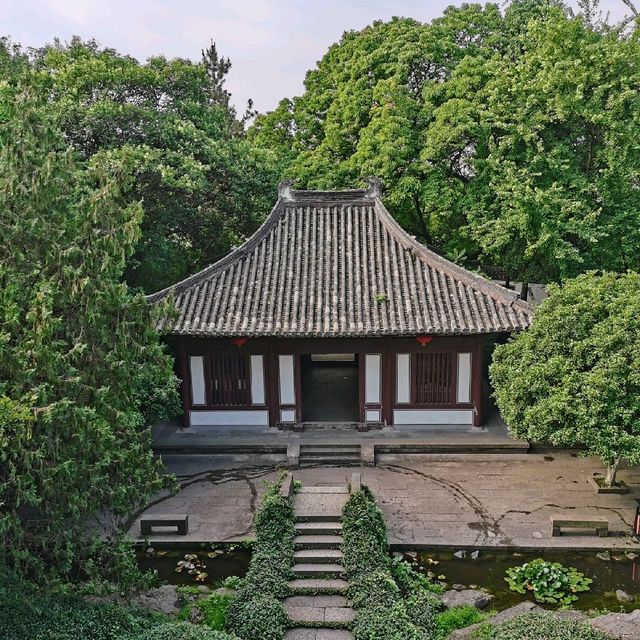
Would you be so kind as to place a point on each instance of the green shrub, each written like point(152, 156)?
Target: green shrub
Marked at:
point(543, 626)
point(181, 631)
point(376, 589)
point(422, 608)
point(256, 614)
point(257, 618)
point(215, 608)
point(26, 616)
point(410, 580)
point(547, 581)
point(384, 623)
point(455, 618)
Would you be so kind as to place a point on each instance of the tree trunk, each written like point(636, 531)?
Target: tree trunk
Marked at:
point(612, 469)
point(525, 291)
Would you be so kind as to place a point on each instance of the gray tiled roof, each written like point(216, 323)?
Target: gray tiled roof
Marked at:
point(335, 263)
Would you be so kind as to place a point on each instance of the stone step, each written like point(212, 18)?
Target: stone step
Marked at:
point(318, 556)
point(327, 516)
point(329, 446)
point(316, 610)
point(311, 633)
point(319, 528)
point(318, 586)
point(332, 489)
point(317, 570)
point(318, 542)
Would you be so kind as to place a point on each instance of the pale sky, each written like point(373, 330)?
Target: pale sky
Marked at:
point(271, 43)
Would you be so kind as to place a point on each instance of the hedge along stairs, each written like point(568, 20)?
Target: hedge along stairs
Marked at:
point(318, 608)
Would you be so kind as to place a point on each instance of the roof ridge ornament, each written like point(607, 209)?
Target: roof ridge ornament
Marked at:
point(285, 192)
point(374, 190)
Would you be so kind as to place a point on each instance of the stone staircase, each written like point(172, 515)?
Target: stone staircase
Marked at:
point(318, 607)
point(312, 455)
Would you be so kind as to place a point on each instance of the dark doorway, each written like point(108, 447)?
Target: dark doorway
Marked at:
point(330, 388)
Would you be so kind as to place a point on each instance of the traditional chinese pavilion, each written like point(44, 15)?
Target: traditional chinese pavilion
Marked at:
point(331, 312)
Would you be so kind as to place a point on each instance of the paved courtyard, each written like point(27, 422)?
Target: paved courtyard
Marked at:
point(450, 500)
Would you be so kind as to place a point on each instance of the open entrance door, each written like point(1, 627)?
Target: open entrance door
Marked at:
point(330, 388)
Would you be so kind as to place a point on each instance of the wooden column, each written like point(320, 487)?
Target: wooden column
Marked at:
point(388, 382)
point(476, 383)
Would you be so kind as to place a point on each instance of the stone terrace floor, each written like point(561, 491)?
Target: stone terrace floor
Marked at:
point(451, 500)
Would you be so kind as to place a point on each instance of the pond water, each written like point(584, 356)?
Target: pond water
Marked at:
point(488, 571)
point(218, 563)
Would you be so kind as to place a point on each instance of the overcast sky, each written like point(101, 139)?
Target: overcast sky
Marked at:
point(271, 43)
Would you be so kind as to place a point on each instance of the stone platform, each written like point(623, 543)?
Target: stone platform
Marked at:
point(447, 501)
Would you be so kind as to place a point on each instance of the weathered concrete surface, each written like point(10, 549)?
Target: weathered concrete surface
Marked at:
point(453, 500)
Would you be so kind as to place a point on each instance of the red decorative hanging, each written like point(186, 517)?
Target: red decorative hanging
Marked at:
point(238, 342)
point(423, 340)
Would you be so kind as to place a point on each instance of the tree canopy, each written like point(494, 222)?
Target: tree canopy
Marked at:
point(573, 378)
point(82, 372)
point(508, 137)
point(202, 186)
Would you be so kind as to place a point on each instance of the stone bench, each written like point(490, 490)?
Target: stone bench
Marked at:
point(179, 520)
point(599, 523)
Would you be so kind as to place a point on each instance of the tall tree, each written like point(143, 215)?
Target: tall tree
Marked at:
point(203, 187)
point(507, 137)
point(573, 379)
point(82, 372)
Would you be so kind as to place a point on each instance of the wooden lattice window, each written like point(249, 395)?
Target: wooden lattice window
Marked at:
point(229, 380)
point(434, 378)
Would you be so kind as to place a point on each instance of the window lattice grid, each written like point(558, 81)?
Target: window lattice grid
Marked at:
point(434, 378)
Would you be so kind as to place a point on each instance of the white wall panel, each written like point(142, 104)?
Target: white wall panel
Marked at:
point(372, 415)
point(433, 416)
point(403, 378)
point(196, 368)
point(372, 378)
point(248, 418)
point(287, 415)
point(257, 380)
point(464, 378)
point(287, 380)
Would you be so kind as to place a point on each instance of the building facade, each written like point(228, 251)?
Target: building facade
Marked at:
point(331, 312)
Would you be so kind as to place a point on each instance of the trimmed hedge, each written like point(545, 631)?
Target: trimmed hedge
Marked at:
point(381, 611)
point(256, 613)
point(26, 614)
point(542, 626)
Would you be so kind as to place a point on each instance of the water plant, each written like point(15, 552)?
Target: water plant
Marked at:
point(549, 582)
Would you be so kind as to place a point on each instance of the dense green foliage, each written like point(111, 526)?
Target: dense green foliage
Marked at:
point(574, 377)
point(505, 136)
point(547, 581)
point(382, 613)
point(27, 614)
point(81, 367)
point(542, 626)
point(456, 618)
point(202, 186)
point(256, 613)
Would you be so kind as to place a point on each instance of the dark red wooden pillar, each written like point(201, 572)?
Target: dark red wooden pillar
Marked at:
point(388, 381)
point(476, 383)
point(185, 385)
point(272, 392)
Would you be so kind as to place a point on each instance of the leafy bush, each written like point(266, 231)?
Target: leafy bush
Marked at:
point(377, 589)
point(182, 631)
point(380, 623)
point(543, 626)
point(256, 614)
point(215, 608)
point(455, 618)
point(422, 608)
point(547, 581)
point(258, 618)
point(410, 580)
point(381, 613)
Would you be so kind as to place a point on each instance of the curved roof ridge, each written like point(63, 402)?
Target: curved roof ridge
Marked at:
point(455, 270)
point(237, 253)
